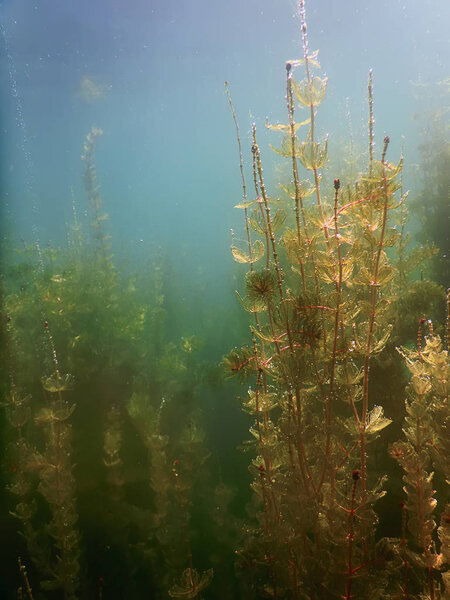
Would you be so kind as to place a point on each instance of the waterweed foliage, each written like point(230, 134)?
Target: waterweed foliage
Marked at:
point(431, 204)
point(328, 290)
point(106, 445)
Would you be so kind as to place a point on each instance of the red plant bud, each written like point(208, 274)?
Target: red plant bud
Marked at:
point(355, 475)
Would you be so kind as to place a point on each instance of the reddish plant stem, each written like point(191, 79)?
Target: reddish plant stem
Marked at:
point(330, 395)
point(343, 208)
point(294, 577)
point(368, 351)
point(351, 537)
point(419, 338)
point(291, 346)
point(255, 149)
point(431, 583)
point(403, 545)
point(347, 454)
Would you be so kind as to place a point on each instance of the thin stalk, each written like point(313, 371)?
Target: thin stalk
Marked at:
point(261, 210)
point(278, 271)
point(241, 168)
point(256, 151)
point(298, 196)
point(403, 544)
point(312, 115)
point(447, 329)
point(371, 122)
point(182, 506)
point(351, 537)
point(24, 575)
point(244, 190)
point(330, 395)
point(267, 528)
point(368, 350)
point(62, 467)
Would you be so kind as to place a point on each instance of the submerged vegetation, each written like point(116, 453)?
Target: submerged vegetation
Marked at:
point(332, 299)
point(105, 444)
point(111, 481)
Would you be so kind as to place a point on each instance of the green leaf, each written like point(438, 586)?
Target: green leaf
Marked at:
point(313, 155)
point(310, 94)
point(376, 421)
point(286, 128)
point(245, 204)
point(58, 382)
point(49, 415)
point(240, 256)
point(286, 146)
point(379, 346)
point(253, 305)
point(306, 189)
point(260, 402)
point(278, 220)
point(191, 584)
point(260, 334)
point(312, 59)
point(257, 222)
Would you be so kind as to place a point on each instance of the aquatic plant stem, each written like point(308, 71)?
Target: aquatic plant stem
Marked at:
point(256, 152)
point(244, 195)
point(371, 122)
point(298, 197)
point(368, 349)
point(351, 537)
point(304, 29)
point(241, 168)
point(330, 395)
point(337, 277)
point(184, 522)
point(60, 493)
point(447, 328)
point(312, 120)
point(261, 210)
point(404, 552)
point(261, 470)
point(24, 575)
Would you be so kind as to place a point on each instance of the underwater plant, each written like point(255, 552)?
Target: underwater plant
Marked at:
point(432, 202)
point(322, 313)
point(426, 444)
point(101, 475)
point(54, 547)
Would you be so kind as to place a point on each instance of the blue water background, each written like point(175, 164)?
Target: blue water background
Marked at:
point(167, 162)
